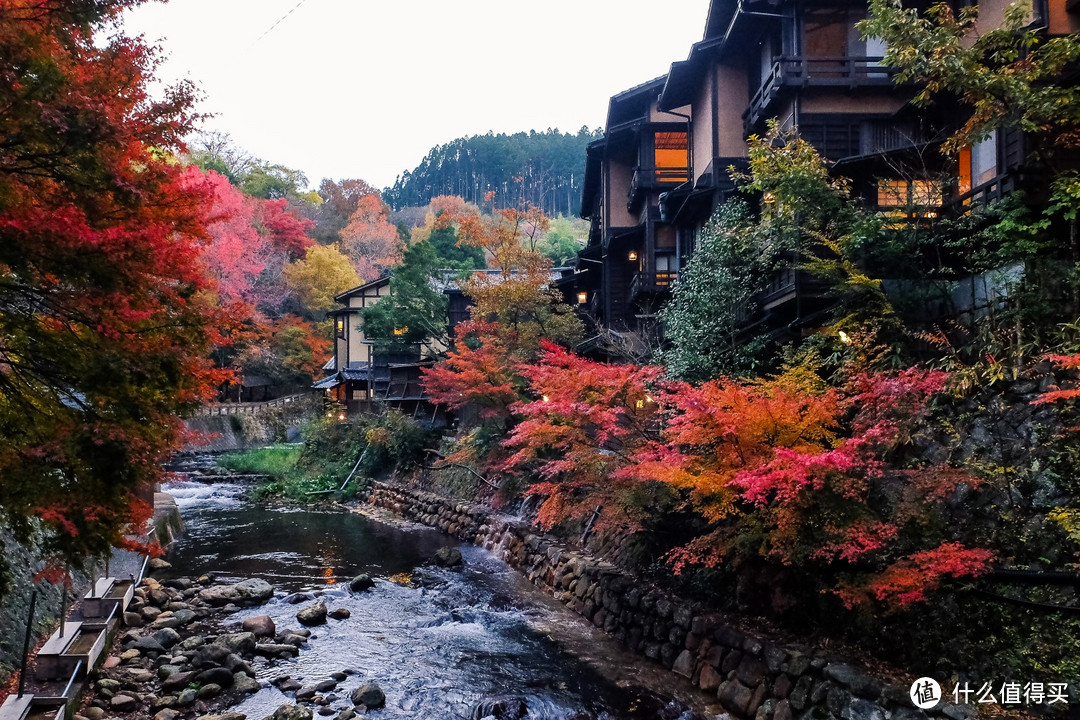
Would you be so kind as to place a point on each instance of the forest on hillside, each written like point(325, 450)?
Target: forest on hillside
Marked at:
point(542, 169)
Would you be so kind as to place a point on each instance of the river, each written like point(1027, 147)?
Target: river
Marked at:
point(438, 641)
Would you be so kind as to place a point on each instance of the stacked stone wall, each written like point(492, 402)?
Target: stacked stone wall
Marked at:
point(751, 676)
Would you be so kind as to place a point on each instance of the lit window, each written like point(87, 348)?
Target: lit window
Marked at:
point(339, 326)
point(583, 297)
point(401, 330)
point(908, 193)
point(670, 156)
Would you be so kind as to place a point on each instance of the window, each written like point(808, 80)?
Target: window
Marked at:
point(339, 326)
point(908, 193)
point(670, 157)
point(978, 164)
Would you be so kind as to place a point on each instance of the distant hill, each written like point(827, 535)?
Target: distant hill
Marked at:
point(541, 168)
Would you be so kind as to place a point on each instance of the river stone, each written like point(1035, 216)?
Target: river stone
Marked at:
point(281, 650)
point(252, 592)
point(208, 691)
point(862, 710)
point(108, 685)
point(224, 716)
point(370, 695)
point(210, 655)
point(340, 613)
point(177, 681)
point(167, 637)
point(260, 626)
point(217, 676)
point(167, 714)
point(291, 712)
point(684, 664)
point(448, 557)
point(346, 714)
point(859, 682)
point(123, 703)
point(146, 645)
point(242, 643)
point(297, 598)
point(361, 583)
point(132, 619)
point(507, 708)
point(326, 685)
point(244, 684)
point(312, 615)
point(93, 713)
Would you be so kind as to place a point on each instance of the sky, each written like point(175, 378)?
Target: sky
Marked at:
point(364, 88)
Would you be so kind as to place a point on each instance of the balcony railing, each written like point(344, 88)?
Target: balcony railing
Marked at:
point(652, 282)
point(803, 71)
point(652, 178)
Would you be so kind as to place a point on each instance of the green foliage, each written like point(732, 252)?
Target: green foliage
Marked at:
point(381, 443)
point(415, 311)
point(702, 320)
point(277, 461)
point(1008, 75)
point(451, 253)
point(560, 243)
point(538, 168)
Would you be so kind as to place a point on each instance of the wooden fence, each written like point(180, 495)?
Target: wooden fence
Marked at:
point(253, 408)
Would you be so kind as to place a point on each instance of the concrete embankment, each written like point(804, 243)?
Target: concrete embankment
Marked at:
point(752, 675)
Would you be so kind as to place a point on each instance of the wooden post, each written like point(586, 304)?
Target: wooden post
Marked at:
point(26, 642)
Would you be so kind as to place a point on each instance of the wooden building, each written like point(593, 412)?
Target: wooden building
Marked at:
point(663, 165)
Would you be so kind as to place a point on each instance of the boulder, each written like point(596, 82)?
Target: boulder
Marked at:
point(361, 583)
point(370, 695)
point(280, 650)
point(177, 681)
point(217, 676)
point(244, 684)
point(297, 598)
point(209, 691)
point(260, 626)
point(167, 714)
point(123, 703)
point(312, 615)
point(291, 712)
point(506, 708)
point(242, 643)
point(448, 557)
point(146, 645)
point(211, 655)
point(158, 564)
point(245, 592)
point(166, 637)
point(340, 613)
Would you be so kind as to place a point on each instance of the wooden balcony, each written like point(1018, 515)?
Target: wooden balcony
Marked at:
point(652, 283)
point(801, 71)
point(646, 179)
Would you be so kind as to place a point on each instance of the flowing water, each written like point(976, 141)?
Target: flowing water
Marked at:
point(439, 642)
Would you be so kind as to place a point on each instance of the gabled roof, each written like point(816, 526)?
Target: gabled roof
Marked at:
point(634, 103)
point(361, 289)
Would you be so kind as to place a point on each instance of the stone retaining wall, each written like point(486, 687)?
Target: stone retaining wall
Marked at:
point(751, 676)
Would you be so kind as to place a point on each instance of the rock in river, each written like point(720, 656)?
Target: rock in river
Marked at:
point(370, 695)
point(245, 592)
point(291, 712)
point(361, 583)
point(260, 626)
point(448, 557)
point(313, 614)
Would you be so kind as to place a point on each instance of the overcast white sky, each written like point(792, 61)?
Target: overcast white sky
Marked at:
point(363, 88)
